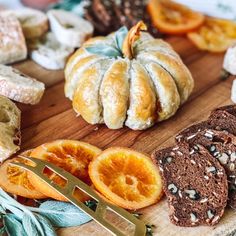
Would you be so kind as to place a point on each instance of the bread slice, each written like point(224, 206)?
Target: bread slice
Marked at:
point(49, 53)
point(12, 41)
point(222, 146)
point(195, 184)
point(10, 117)
point(69, 29)
point(223, 120)
point(216, 121)
point(19, 87)
point(231, 109)
point(34, 23)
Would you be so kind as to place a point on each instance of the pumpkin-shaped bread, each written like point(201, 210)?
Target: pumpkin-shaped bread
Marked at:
point(127, 78)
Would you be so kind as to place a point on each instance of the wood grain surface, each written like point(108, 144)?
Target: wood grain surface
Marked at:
point(54, 119)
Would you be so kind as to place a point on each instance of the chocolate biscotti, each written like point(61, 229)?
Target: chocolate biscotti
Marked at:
point(229, 108)
point(222, 146)
point(222, 120)
point(195, 184)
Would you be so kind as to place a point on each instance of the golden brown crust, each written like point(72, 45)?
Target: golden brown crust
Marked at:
point(86, 100)
point(166, 90)
point(176, 68)
point(142, 111)
point(115, 94)
point(157, 83)
point(75, 75)
point(151, 44)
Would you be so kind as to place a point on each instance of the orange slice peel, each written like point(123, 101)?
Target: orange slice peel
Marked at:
point(173, 18)
point(215, 35)
point(71, 155)
point(15, 180)
point(127, 178)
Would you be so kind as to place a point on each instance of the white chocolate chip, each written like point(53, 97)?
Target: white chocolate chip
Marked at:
point(211, 169)
point(193, 217)
point(215, 219)
point(223, 158)
point(210, 214)
point(173, 189)
point(233, 156)
point(232, 166)
point(204, 200)
point(191, 136)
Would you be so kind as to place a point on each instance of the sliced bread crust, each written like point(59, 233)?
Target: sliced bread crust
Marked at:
point(34, 23)
point(12, 41)
point(20, 87)
point(10, 117)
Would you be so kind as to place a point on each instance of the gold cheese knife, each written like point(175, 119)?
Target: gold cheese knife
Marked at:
point(72, 184)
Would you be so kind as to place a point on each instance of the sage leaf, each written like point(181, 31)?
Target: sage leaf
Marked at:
point(120, 37)
point(2, 230)
point(2, 210)
point(104, 50)
point(63, 214)
point(13, 226)
point(46, 225)
point(29, 226)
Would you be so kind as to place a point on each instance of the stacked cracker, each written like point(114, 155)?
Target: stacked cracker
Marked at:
point(199, 172)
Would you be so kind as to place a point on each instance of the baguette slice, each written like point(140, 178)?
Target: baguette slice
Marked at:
point(10, 117)
point(49, 53)
point(34, 23)
point(19, 87)
point(68, 28)
point(12, 41)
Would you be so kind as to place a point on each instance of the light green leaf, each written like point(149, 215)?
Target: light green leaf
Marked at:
point(2, 210)
point(32, 227)
point(2, 230)
point(120, 37)
point(104, 50)
point(46, 225)
point(13, 226)
point(63, 214)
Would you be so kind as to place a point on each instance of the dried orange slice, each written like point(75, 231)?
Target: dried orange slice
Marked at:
point(15, 180)
point(73, 156)
point(127, 178)
point(173, 18)
point(215, 35)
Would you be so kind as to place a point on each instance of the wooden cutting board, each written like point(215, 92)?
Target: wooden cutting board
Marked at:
point(54, 119)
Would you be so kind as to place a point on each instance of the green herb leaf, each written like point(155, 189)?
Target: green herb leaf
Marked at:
point(30, 226)
point(2, 230)
point(104, 50)
point(2, 210)
point(120, 37)
point(62, 214)
point(13, 226)
point(46, 225)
